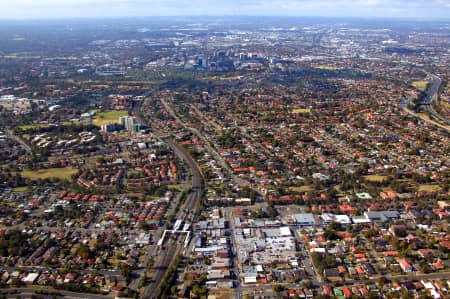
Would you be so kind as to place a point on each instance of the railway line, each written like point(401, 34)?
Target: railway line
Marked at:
point(173, 247)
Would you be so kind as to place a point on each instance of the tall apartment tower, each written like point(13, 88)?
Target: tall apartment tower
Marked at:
point(128, 122)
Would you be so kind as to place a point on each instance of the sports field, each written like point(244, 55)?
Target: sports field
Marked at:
point(107, 117)
point(420, 84)
point(61, 173)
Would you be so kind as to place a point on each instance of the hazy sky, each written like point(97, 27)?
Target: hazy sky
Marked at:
point(26, 9)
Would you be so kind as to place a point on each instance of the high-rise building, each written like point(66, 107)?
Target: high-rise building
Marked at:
point(109, 127)
point(128, 122)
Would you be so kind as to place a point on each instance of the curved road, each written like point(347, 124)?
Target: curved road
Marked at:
point(427, 101)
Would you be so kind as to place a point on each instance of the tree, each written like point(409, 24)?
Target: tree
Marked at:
point(330, 234)
point(125, 271)
point(335, 226)
point(84, 251)
point(150, 263)
point(199, 290)
point(173, 290)
point(277, 288)
point(307, 283)
point(99, 245)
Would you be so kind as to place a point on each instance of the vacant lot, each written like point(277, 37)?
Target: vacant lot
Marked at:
point(107, 117)
point(60, 173)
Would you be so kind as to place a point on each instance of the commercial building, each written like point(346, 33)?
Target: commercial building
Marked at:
point(382, 216)
point(305, 219)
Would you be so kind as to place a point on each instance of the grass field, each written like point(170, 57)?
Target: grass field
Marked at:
point(21, 189)
point(178, 187)
point(61, 173)
point(222, 78)
point(61, 58)
point(326, 67)
point(123, 82)
point(429, 188)
point(301, 189)
point(127, 134)
point(107, 117)
point(375, 178)
point(420, 84)
point(26, 127)
point(424, 115)
point(300, 110)
point(21, 57)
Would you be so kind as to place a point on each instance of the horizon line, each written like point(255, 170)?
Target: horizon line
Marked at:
point(399, 18)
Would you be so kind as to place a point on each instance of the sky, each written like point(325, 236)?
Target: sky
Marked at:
point(43, 9)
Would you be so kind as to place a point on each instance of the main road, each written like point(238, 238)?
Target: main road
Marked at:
point(412, 276)
point(427, 101)
point(238, 181)
point(25, 146)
